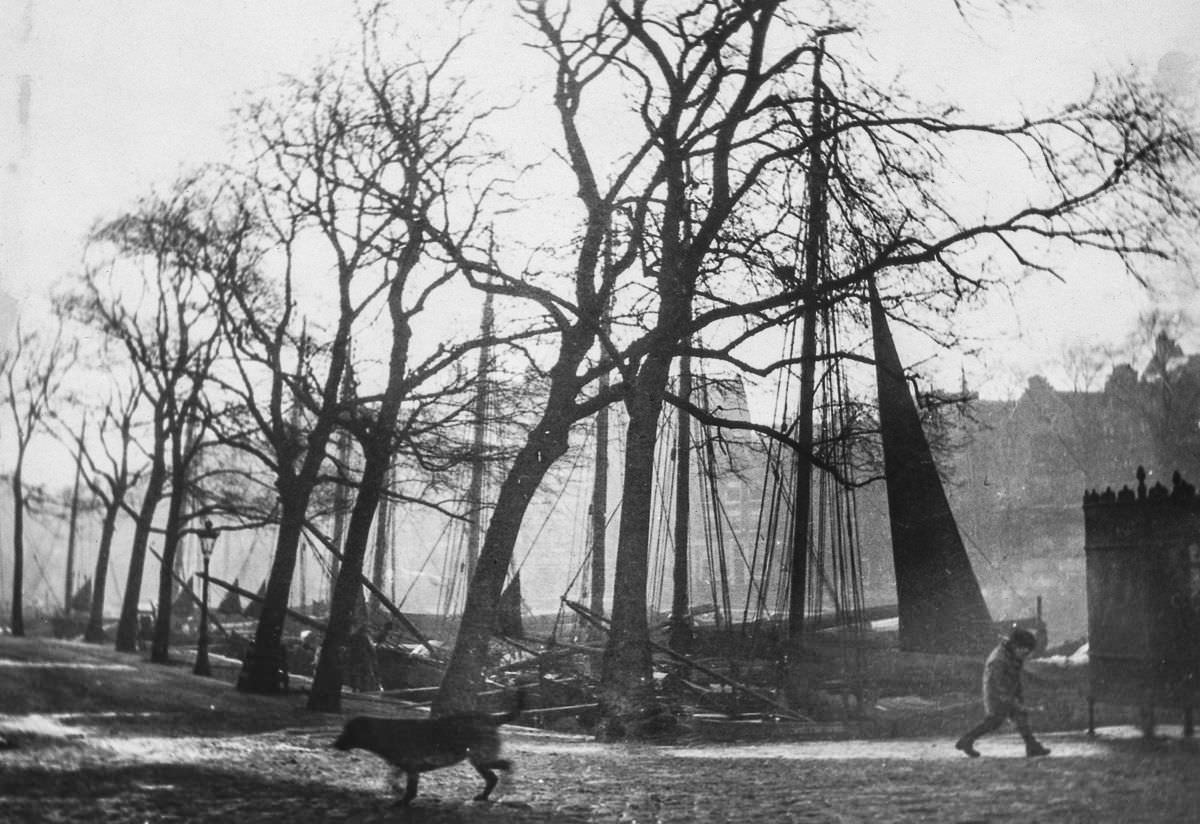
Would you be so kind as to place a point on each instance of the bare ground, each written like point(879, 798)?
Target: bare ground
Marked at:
point(96, 736)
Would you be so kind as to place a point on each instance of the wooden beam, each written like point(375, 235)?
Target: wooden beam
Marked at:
point(602, 623)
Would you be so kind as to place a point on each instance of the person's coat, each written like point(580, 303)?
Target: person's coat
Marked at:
point(1002, 681)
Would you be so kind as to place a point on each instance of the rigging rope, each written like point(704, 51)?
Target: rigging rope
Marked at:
point(553, 506)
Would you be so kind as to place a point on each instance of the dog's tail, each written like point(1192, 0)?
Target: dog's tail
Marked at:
point(512, 714)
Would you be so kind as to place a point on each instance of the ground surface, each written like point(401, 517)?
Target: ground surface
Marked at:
point(98, 736)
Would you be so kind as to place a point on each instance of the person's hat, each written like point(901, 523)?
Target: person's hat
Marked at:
point(1020, 637)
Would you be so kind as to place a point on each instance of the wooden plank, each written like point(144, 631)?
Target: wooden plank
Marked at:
point(783, 711)
point(254, 596)
point(182, 583)
point(558, 712)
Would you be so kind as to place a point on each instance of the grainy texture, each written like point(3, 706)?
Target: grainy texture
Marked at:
point(137, 775)
point(183, 762)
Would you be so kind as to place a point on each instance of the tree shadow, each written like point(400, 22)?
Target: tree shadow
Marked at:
point(1150, 745)
point(173, 792)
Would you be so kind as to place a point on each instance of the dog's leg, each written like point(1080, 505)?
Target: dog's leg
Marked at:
point(410, 790)
point(490, 780)
point(394, 782)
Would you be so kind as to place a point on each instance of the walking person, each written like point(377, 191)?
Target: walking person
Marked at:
point(1002, 694)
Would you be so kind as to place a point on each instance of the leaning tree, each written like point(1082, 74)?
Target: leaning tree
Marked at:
point(111, 470)
point(142, 287)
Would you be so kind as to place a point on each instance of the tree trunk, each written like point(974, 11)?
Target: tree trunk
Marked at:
point(627, 689)
point(347, 597)
point(264, 665)
point(160, 647)
point(326, 695)
point(18, 538)
point(464, 675)
point(94, 634)
point(681, 620)
point(127, 628)
point(261, 669)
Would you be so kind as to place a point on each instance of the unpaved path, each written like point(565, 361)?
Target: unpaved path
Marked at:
point(142, 743)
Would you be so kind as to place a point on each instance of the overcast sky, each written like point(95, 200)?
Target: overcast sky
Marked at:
point(103, 99)
point(1051, 55)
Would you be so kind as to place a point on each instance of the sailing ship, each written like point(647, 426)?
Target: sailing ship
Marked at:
point(788, 625)
point(803, 627)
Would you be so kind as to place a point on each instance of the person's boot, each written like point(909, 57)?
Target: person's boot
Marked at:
point(967, 746)
point(1034, 748)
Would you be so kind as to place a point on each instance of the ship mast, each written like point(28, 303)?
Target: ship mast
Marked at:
point(69, 588)
point(383, 546)
point(814, 242)
point(681, 630)
point(341, 493)
point(482, 398)
point(598, 510)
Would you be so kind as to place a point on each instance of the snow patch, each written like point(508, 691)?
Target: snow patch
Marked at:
point(9, 662)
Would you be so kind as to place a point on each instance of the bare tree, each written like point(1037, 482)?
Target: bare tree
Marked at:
point(148, 297)
point(422, 142)
point(302, 138)
point(744, 132)
point(34, 373)
point(111, 472)
point(575, 311)
point(108, 458)
point(359, 157)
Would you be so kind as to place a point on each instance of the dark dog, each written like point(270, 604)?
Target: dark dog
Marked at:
point(416, 745)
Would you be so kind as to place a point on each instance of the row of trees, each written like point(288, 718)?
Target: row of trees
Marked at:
point(260, 311)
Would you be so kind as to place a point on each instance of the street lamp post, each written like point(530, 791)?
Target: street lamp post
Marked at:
point(208, 538)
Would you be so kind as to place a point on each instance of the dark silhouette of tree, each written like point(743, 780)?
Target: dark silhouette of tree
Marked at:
point(110, 472)
point(147, 295)
point(289, 372)
point(737, 108)
point(422, 140)
point(364, 158)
